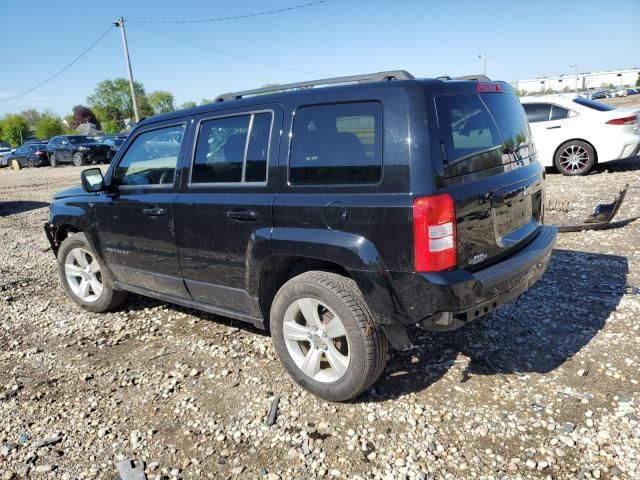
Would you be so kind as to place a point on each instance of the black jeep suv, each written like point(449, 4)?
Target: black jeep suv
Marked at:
point(334, 215)
point(77, 149)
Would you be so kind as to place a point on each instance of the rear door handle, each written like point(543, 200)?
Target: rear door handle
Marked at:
point(242, 215)
point(554, 126)
point(154, 212)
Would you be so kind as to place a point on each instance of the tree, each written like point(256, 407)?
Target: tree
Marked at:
point(48, 127)
point(206, 101)
point(32, 116)
point(115, 96)
point(638, 81)
point(14, 129)
point(189, 104)
point(82, 114)
point(161, 101)
point(111, 126)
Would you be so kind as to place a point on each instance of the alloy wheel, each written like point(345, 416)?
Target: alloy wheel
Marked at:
point(82, 272)
point(316, 340)
point(574, 158)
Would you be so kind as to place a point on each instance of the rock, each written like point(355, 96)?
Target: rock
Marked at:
point(531, 463)
point(135, 438)
point(44, 468)
point(583, 372)
point(8, 475)
point(237, 470)
point(7, 448)
point(51, 440)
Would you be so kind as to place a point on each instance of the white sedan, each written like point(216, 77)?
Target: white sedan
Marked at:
point(573, 134)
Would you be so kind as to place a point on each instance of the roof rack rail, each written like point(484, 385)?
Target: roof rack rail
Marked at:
point(478, 78)
point(370, 77)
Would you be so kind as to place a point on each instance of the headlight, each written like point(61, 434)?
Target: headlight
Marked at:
point(82, 148)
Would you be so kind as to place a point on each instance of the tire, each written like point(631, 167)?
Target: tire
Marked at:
point(359, 350)
point(30, 163)
point(575, 157)
point(78, 159)
point(77, 256)
point(53, 160)
point(16, 165)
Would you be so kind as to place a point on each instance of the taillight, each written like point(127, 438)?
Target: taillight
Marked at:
point(623, 121)
point(434, 233)
point(486, 87)
point(39, 153)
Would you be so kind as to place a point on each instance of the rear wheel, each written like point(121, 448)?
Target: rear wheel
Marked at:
point(78, 159)
point(30, 162)
point(325, 335)
point(53, 160)
point(85, 278)
point(575, 158)
point(16, 165)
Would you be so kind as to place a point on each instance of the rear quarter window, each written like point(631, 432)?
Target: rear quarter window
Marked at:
point(336, 144)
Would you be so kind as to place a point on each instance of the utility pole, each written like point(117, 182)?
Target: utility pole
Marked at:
point(575, 70)
point(484, 56)
point(120, 23)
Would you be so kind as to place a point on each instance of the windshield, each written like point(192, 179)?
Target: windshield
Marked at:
point(81, 139)
point(585, 102)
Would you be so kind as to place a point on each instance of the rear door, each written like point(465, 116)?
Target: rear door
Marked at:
point(491, 173)
point(224, 214)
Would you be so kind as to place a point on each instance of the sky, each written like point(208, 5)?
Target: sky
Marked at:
point(340, 37)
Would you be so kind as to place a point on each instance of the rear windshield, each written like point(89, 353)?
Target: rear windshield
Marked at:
point(489, 128)
point(585, 102)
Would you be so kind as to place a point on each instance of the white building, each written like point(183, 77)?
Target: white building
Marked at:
point(581, 81)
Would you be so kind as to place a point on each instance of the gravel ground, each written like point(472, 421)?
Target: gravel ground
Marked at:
point(546, 387)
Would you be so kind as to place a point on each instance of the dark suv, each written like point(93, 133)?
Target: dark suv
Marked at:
point(77, 149)
point(335, 216)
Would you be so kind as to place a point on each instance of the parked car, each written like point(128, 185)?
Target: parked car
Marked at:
point(632, 91)
point(575, 134)
point(29, 155)
point(387, 202)
point(598, 95)
point(114, 142)
point(77, 149)
point(5, 151)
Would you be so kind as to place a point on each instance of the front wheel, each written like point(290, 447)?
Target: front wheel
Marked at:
point(78, 159)
point(85, 278)
point(575, 158)
point(325, 335)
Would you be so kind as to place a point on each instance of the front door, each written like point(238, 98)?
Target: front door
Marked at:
point(223, 215)
point(136, 220)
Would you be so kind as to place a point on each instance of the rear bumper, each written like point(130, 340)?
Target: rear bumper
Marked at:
point(448, 300)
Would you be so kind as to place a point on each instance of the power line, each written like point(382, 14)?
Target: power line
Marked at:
point(84, 52)
point(511, 66)
point(456, 67)
point(236, 17)
point(221, 52)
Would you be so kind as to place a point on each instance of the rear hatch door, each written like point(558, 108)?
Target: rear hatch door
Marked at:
point(491, 172)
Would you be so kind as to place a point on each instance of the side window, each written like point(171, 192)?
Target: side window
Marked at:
point(537, 112)
point(232, 149)
point(151, 159)
point(558, 113)
point(337, 144)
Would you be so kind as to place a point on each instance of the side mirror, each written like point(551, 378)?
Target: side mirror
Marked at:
point(92, 180)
